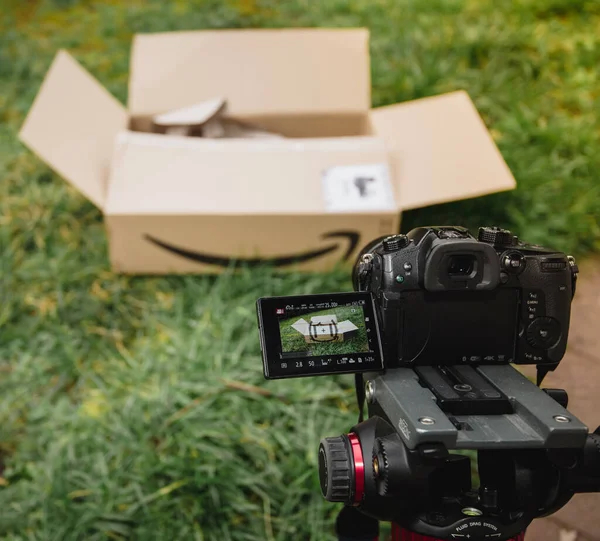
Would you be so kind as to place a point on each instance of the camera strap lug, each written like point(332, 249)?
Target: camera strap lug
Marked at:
point(574, 273)
point(364, 271)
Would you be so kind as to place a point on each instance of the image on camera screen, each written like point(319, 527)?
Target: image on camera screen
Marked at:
point(332, 331)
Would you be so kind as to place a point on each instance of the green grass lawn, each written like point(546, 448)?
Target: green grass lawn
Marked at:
point(292, 340)
point(135, 407)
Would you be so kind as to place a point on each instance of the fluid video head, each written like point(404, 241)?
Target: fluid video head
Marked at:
point(437, 318)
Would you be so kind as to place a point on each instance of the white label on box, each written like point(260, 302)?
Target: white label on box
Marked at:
point(365, 187)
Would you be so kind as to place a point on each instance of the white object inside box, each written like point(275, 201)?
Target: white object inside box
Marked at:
point(194, 115)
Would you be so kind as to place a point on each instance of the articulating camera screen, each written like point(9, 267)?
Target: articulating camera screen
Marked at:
point(319, 334)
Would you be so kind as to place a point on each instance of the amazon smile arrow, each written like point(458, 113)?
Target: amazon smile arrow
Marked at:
point(351, 237)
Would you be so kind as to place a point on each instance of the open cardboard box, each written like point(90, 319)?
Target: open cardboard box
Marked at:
point(340, 177)
point(325, 329)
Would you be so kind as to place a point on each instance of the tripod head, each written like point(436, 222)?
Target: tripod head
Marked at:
point(411, 463)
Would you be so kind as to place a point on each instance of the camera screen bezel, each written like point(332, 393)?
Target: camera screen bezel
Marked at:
point(269, 332)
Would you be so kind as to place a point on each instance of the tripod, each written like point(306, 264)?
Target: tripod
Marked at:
point(397, 466)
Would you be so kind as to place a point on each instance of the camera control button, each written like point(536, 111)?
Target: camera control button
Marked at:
point(394, 243)
point(554, 264)
point(543, 332)
point(496, 235)
point(513, 262)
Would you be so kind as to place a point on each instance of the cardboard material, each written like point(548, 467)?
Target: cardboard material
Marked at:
point(440, 150)
point(292, 71)
point(254, 199)
point(72, 126)
point(282, 176)
point(309, 200)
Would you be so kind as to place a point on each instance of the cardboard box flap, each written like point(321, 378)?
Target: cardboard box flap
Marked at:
point(440, 150)
point(291, 71)
point(155, 174)
point(72, 125)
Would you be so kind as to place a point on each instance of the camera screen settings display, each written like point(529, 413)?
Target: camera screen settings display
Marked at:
point(319, 334)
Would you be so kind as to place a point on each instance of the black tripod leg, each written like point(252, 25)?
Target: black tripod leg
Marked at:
point(352, 525)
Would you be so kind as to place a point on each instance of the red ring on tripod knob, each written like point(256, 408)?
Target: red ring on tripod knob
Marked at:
point(359, 468)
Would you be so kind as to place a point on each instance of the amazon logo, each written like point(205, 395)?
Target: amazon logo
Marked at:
point(338, 238)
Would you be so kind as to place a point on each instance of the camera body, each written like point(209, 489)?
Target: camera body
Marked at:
point(445, 297)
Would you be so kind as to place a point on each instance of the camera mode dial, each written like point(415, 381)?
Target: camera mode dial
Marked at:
point(395, 243)
point(496, 235)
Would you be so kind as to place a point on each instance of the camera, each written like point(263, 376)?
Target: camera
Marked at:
point(447, 298)
point(436, 322)
point(437, 296)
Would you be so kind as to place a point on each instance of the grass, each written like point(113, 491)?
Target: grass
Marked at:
point(134, 407)
point(292, 340)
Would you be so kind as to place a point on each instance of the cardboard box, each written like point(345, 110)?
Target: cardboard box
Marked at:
point(325, 329)
point(339, 178)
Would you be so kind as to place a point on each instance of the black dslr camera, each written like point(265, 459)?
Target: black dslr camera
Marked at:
point(448, 298)
point(435, 321)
